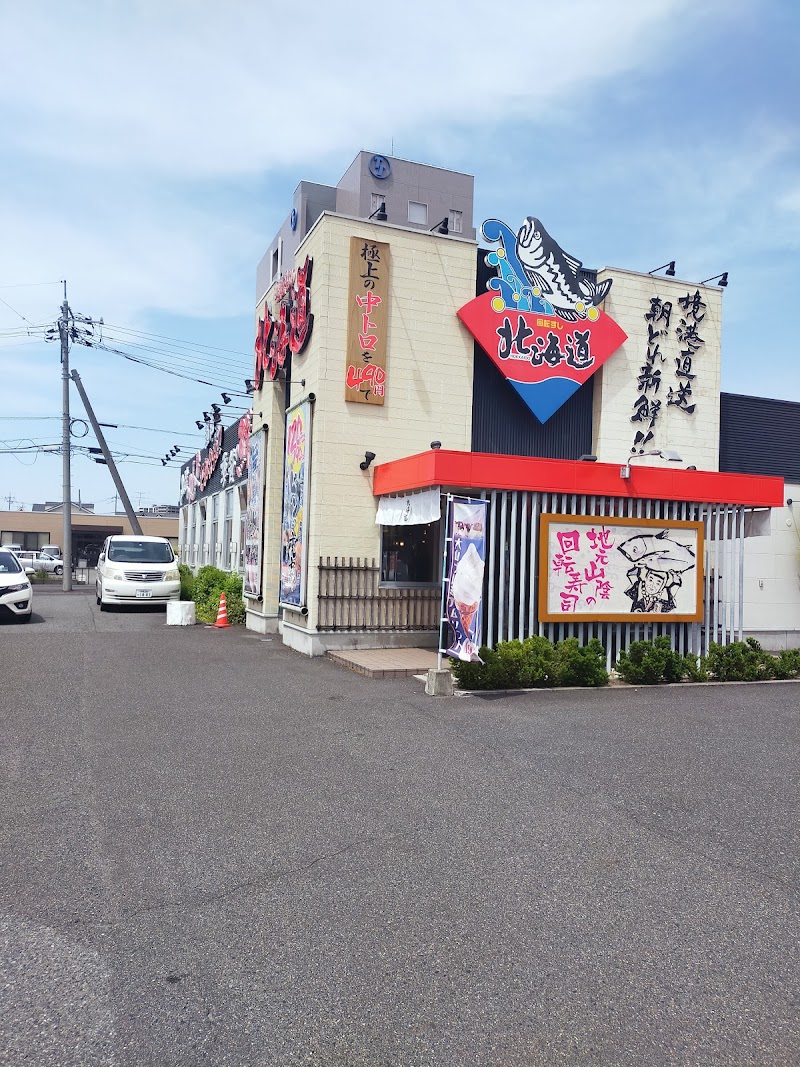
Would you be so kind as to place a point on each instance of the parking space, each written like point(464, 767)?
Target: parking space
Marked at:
point(55, 611)
point(219, 851)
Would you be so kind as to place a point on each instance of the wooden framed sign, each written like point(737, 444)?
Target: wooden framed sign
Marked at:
point(367, 319)
point(595, 568)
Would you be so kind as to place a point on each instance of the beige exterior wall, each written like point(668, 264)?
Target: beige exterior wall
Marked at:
point(52, 524)
point(428, 389)
point(695, 437)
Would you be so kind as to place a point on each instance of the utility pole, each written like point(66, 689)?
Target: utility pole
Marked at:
point(66, 496)
point(132, 517)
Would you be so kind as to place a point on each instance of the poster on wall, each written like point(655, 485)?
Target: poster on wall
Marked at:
point(466, 565)
point(541, 322)
point(294, 521)
point(367, 321)
point(254, 514)
point(620, 570)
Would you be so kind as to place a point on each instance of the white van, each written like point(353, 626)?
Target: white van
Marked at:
point(135, 569)
point(52, 550)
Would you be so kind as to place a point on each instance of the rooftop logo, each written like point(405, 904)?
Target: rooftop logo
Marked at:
point(540, 322)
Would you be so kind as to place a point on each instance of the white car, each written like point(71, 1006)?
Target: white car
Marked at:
point(41, 561)
point(16, 594)
point(134, 569)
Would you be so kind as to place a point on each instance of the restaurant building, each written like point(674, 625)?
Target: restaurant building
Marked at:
point(213, 492)
point(615, 491)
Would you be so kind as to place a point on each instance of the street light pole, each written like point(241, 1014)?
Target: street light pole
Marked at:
point(63, 329)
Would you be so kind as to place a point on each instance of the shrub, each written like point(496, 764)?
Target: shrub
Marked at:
point(695, 668)
point(583, 665)
point(787, 665)
point(209, 584)
point(187, 582)
point(650, 663)
point(740, 661)
point(534, 663)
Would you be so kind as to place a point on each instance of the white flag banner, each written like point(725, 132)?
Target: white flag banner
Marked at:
point(410, 509)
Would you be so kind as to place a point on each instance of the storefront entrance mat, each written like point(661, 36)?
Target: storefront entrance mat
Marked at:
point(386, 662)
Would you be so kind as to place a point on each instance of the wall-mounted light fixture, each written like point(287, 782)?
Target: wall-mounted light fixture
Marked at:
point(586, 458)
point(668, 268)
point(198, 424)
point(365, 462)
point(665, 453)
point(720, 279)
point(692, 468)
point(442, 227)
point(248, 384)
point(435, 445)
point(379, 214)
point(225, 398)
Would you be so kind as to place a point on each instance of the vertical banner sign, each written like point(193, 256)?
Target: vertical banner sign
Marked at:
point(254, 516)
point(464, 604)
point(367, 318)
point(294, 523)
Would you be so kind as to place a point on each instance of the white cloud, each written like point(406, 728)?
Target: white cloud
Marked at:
point(195, 90)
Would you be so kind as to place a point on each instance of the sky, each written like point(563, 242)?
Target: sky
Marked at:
point(149, 152)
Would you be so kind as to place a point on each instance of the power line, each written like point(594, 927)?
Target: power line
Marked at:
point(181, 358)
point(154, 366)
point(28, 285)
point(178, 340)
point(24, 319)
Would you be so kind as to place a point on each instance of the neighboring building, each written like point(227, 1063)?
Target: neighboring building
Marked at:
point(44, 526)
point(213, 499)
point(388, 376)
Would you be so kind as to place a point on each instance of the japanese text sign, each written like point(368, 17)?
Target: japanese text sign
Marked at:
point(541, 323)
point(287, 329)
point(254, 513)
point(294, 522)
point(620, 570)
point(367, 321)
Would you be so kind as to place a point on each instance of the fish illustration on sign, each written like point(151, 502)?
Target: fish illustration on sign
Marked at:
point(527, 321)
point(555, 274)
point(658, 561)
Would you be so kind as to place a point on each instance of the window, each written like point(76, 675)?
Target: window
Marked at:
point(411, 555)
point(456, 221)
point(214, 526)
point(276, 264)
point(376, 199)
point(227, 535)
point(140, 551)
point(201, 531)
point(417, 213)
point(30, 542)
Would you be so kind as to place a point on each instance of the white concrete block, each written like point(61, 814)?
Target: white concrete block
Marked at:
point(439, 683)
point(181, 613)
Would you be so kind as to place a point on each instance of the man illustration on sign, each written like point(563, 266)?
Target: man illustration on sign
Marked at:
point(656, 575)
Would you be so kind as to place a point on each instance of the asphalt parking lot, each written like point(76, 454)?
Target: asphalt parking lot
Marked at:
point(215, 851)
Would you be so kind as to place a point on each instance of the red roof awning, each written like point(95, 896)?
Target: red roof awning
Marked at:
point(481, 470)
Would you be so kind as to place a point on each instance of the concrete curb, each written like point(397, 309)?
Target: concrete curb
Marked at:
point(616, 686)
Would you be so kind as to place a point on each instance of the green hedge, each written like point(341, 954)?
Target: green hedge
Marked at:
point(538, 663)
point(654, 662)
point(534, 663)
point(205, 589)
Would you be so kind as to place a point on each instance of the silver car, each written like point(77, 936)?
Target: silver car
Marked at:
point(41, 561)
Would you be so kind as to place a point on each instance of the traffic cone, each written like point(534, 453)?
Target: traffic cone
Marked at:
point(222, 614)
